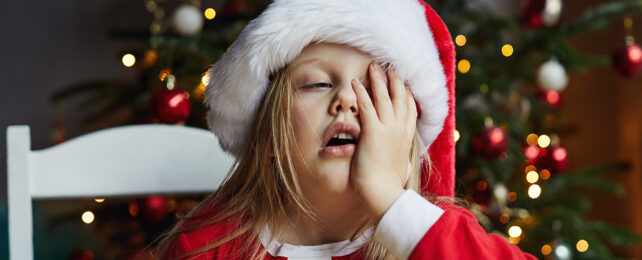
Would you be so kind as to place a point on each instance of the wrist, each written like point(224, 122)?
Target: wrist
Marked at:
point(380, 199)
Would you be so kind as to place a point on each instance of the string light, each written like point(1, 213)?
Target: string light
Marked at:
point(504, 218)
point(534, 191)
point(562, 251)
point(133, 209)
point(532, 177)
point(87, 217)
point(559, 154)
point(463, 66)
point(530, 168)
point(543, 141)
point(546, 250)
point(456, 134)
point(507, 50)
point(582, 246)
point(129, 60)
point(210, 13)
point(531, 139)
point(460, 40)
point(531, 152)
point(483, 88)
point(99, 200)
point(205, 79)
point(545, 174)
point(163, 74)
point(515, 231)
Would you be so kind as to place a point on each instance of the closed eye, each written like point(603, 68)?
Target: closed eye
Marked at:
point(318, 85)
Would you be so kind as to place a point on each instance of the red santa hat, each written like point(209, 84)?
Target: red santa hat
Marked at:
point(407, 35)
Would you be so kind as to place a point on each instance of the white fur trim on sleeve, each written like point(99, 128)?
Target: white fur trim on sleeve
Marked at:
point(394, 32)
point(406, 223)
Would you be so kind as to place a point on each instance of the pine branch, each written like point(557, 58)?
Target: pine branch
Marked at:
point(598, 17)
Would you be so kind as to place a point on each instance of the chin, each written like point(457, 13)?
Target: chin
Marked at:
point(336, 179)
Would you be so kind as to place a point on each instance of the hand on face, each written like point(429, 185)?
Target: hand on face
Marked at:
point(380, 166)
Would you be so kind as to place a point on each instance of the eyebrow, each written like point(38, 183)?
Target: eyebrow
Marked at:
point(306, 62)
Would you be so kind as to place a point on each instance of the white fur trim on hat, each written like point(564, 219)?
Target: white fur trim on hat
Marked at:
point(394, 32)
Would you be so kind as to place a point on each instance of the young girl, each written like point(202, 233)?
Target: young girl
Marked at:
point(331, 108)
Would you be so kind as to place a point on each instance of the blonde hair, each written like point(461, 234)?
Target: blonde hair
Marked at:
point(263, 183)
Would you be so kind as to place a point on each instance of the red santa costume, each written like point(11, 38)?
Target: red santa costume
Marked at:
point(407, 35)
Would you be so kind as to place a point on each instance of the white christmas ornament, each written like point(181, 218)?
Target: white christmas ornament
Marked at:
point(552, 75)
point(187, 20)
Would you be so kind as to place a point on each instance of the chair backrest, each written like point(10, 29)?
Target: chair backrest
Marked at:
point(128, 160)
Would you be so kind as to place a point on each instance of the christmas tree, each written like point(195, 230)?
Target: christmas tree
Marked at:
point(512, 69)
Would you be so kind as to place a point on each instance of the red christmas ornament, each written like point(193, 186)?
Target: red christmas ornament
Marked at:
point(628, 60)
point(153, 208)
point(540, 13)
point(551, 97)
point(171, 106)
point(490, 143)
point(552, 158)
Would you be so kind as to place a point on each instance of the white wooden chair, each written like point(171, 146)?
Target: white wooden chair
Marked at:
point(128, 160)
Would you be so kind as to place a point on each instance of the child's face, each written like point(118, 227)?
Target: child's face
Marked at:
point(325, 105)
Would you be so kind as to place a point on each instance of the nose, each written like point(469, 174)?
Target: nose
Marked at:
point(345, 101)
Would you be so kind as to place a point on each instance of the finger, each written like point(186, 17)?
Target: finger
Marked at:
point(398, 94)
point(411, 120)
point(366, 108)
point(382, 102)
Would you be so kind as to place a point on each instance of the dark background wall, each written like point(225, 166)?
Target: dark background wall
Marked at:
point(606, 111)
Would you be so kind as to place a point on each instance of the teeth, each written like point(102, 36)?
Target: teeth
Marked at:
point(344, 136)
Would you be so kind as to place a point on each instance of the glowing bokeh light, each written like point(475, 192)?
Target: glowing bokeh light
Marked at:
point(582, 246)
point(552, 97)
point(512, 196)
point(456, 135)
point(544, 141)
point(463, 66)
point(163, 74)
point(133, 209)
point(460, 40)
point(515, 231)
point(531, 139)
point(531, 152)
point(504, 218)
point(545, 174)
point(530, 168)
point(532, 177)
point(507, 50)
point(129, 60)
point(99, 200)
point(87, 217)
point(483, 88)
point(534, 191)
point(562, 252)
point(210, 13)
point(559, 154)
point(546, 250)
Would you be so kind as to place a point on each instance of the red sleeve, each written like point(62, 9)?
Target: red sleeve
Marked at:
point(457, 235)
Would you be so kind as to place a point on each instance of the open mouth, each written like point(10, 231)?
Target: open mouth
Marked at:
point(341, 139)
